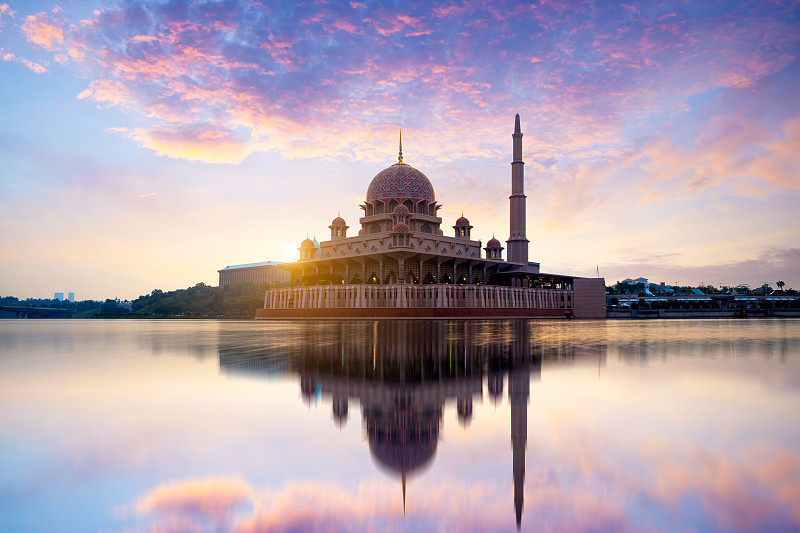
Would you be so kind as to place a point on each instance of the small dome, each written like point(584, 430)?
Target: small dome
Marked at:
point(400, 210)
point(338, 221)
point(462, 221)
point(401, 228)
point(307, 243)
point(493, 243)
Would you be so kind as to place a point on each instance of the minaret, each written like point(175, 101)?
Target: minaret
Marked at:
point(517, 243)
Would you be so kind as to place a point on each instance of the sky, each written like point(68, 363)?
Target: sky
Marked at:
point(146, 145)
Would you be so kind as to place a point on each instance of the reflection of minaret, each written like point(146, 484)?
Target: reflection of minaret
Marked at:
point(517, 242)
point(519, 388)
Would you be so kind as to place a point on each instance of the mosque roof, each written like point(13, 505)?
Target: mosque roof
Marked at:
point(400, 228)
point(493, 243)
point(250, 265)
point(400, 210)
point(338, 221)
point(307, 243)
point(462, 221)
point(400, 181)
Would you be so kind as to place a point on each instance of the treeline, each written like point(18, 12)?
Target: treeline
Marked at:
point(234, 300)
point(83, 309)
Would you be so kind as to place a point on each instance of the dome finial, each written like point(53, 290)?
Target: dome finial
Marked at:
point(404, 493)
point(400, 156)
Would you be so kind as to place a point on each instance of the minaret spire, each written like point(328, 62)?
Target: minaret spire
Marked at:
point(517, 242)
point(400, 156)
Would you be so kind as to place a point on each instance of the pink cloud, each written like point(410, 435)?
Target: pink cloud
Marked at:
point(281, 82)
point(5, 11)
point(42, 30)
point(33, 66)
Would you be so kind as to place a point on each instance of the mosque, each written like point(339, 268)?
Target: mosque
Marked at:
point(402, 265)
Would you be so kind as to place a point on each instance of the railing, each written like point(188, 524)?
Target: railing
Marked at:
point(416, 296)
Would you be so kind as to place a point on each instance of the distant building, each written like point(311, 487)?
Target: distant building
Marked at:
point(71, 297)
point(630, 281)
point(58, 296)
point(266, 272)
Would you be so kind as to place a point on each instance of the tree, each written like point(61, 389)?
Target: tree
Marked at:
point(780, 285)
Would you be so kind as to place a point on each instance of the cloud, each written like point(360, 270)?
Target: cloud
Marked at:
point(576, 487)
point(768, 266)
point(201, 143)
point(43, 30)
point(33, 66)
point(290, 76)
point(5, 11)
point(209, 497)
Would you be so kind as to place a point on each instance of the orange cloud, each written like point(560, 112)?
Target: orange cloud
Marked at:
point(209, 497)
point(204, 143)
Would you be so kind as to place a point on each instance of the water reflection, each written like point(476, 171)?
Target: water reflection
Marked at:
point(402, 373)
point(242, 426)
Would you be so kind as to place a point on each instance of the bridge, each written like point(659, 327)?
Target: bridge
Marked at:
point(36, 312)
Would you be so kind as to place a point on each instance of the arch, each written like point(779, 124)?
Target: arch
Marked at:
point(380, 207)
point(409, 205)
point(426, 228)
point(370, 209)
point(392, 204)
point(376, 228)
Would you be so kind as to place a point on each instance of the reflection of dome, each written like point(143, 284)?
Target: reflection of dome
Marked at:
point(403, 453)
point(400, 181)
point(400, 210)
point(340, 410)
point(464, 410)
point(493, 243)
point(495, 385)
point(338, 221)
point(400, 228)
point(462, 221)
point(307, 243)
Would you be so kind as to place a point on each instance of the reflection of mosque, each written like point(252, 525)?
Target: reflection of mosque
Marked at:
point(402, 373)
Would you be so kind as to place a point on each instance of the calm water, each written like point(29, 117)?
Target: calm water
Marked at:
point(399, 426)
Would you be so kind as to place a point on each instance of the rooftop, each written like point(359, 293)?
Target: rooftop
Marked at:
point(250, 265)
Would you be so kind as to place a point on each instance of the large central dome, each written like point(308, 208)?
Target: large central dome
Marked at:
point(400, 181)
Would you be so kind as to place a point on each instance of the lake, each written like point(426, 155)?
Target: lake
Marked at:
point(244, 426)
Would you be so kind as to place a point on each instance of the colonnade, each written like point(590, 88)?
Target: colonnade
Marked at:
point(412, 296)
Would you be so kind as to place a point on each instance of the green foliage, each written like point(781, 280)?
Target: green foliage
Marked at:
point(235, 300)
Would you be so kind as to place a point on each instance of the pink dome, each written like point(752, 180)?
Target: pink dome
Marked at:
point(400, 210)
point(493, 243)
point(462, 221)
point(400, 181)
point(401, 228)
point(307, 243)
point(338, 221)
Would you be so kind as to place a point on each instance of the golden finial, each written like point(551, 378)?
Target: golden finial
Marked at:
point(400, 156)
point(404, 493)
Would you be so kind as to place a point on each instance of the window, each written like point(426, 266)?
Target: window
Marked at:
point(375, 228)
point(426, 229)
